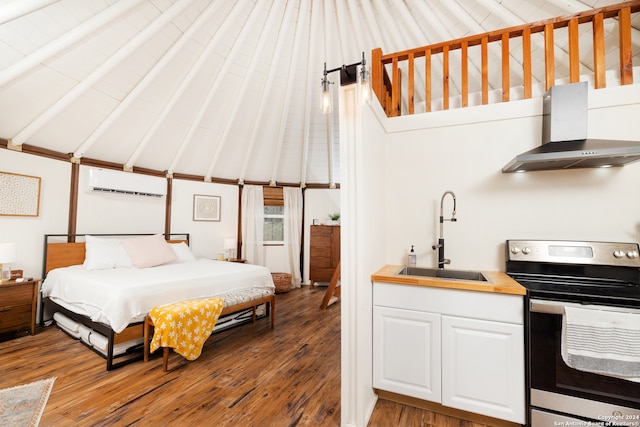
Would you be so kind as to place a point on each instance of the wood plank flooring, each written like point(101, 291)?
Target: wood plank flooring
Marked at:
point(247, 376)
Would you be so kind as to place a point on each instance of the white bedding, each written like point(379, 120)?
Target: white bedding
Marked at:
point(121, 296)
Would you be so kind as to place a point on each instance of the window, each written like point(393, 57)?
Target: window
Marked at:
point(273, 229)
point(273, 225)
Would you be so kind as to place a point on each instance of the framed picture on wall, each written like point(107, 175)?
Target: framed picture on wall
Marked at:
point(206, 208)
point(19, 194)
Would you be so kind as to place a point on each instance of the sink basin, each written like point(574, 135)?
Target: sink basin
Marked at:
point(475, 276)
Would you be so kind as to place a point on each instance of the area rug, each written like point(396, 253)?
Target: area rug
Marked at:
point(23, 405)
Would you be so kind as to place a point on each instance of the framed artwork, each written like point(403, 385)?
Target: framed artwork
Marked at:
point(206, 208)
point(19, 194)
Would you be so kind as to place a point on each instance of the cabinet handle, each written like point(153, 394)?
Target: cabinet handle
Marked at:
point(5, 309)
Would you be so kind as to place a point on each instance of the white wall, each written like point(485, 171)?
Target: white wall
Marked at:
point(28, 232)
point(465, 150)
point(207, 237)
point(362, 248)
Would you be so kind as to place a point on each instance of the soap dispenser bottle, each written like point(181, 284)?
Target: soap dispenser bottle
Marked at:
point(412, 257)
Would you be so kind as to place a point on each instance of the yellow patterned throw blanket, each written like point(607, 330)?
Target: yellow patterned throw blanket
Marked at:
point(185, 326)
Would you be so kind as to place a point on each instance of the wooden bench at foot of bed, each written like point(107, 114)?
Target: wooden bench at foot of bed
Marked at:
point(253, 304)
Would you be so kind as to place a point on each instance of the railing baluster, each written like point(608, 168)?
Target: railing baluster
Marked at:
point(549, 57)
point(599, 66)
point(395, 90)
point(626, 60)
point(485, 70)
point(410, 86)
point(445, 77)
point(427, 72)
point(465, 73)
point(574, 51)
point(506, 84)
point(526, 61)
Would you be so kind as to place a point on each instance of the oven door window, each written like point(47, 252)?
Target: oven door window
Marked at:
point(549, 372)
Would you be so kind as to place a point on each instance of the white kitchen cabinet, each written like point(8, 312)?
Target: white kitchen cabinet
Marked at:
point(407, 344)
point(463, 349)
point(483, 367)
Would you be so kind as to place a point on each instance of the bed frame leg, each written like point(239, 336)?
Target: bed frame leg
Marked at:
point(148, 324)
point(165, 358)
point(272, 306)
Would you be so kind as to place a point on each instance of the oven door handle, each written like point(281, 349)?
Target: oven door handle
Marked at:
point(557, 307)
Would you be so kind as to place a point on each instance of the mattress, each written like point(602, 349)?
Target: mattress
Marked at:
point(92, 338)
point(120, 296)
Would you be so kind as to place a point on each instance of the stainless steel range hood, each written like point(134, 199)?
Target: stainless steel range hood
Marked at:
point(564, 137)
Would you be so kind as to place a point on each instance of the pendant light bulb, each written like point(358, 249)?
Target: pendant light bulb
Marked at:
point(364, 86)
point(326, 101)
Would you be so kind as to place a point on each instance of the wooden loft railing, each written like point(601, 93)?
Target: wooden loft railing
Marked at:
point(389, 88)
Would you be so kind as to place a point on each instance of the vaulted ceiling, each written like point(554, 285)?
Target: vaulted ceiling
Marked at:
point(219, 89)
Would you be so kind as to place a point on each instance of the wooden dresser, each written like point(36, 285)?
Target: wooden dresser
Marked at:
point(324, 252)
point(18, 305)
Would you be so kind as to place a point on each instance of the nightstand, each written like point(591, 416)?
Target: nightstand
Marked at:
point(242, 261)
point(18, 305)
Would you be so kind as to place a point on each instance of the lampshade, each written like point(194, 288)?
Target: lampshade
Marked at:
point(230, 243)
point(7, 253)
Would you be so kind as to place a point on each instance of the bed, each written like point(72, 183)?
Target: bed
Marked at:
point(99, 290)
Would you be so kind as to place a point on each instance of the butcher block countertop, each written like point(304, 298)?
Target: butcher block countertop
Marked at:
point(499, 282)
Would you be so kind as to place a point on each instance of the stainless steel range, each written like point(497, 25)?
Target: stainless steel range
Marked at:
point(583, 327)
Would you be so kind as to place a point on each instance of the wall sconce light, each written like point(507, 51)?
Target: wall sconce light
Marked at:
point(7, 256)
point(327, 101)
point(364, 83)
point(348, 74)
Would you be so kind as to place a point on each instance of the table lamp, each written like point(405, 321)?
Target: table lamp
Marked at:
point(230, 248)
point(7, 256)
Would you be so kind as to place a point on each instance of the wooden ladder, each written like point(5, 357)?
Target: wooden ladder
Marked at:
point(333, 291)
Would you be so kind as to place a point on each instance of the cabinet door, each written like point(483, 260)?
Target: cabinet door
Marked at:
point(406, 352)
point(483, 367)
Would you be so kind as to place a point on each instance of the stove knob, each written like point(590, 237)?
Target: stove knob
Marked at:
point(526, 250)
point(515, 250)
point(618, 253)
point(632, 254)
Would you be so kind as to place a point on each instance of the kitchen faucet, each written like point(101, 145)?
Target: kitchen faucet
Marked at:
point(440, 246)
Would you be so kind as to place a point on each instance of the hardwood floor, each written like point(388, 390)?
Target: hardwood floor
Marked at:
point(247, 376)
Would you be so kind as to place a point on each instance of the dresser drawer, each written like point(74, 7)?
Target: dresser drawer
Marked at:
point(15, 317)
point(15, 295)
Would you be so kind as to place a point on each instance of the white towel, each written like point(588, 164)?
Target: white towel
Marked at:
point(602, 342)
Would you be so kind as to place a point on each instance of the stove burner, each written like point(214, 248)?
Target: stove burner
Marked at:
point(582, 272)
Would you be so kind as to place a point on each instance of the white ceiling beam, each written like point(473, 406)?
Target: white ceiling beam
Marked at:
point(357, 31)
point(78, 34)
point(345, 34)
point(331, 118)
point(158, 68)
point(313, 88)
point(20, 8)
point(235, 50)
point(194, 69)
point(390, 25)
point(135, 43)
point(370, 20)
point(284, 114)
point(239, 100)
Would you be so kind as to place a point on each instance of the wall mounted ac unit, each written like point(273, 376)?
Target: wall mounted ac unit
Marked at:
point(111, 181)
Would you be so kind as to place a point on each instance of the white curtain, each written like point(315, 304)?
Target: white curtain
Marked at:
point(252, 224)
point(293, 231)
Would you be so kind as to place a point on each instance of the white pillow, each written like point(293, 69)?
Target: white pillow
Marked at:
point(104, 253)
point(149, 251)
point(183, 252)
